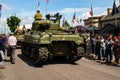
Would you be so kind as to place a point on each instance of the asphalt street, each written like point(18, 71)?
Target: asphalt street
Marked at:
point(83, 69)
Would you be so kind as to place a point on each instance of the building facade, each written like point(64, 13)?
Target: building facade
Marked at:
point(108, 24)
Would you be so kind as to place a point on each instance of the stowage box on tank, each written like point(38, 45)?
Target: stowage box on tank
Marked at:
point(46, 40)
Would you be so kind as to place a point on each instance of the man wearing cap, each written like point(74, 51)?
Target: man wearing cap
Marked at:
point(12, 41)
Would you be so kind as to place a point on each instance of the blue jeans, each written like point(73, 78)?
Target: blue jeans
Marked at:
point(102, 52)
point(2, 54)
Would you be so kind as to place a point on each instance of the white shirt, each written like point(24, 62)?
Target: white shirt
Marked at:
point(12, 40)
point(110, 42)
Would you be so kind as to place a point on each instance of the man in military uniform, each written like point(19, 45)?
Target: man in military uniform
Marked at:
point(38, 15)
point(24, 29)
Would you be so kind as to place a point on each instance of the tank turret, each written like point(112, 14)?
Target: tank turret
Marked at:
point(51, 22)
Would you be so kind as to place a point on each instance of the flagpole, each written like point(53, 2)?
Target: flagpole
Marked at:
point(46, 5)
point(38, 5)
point(93, 27)
point(115, 18)
point(46, 8)
point(92, 22)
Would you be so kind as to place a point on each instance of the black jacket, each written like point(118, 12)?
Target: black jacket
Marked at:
point(1, 45)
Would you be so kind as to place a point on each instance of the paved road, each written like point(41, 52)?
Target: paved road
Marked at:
point(83, 70)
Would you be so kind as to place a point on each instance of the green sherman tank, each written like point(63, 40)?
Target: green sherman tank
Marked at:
point(47, 40)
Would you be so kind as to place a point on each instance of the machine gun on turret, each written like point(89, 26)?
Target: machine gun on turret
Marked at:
point(57, 16)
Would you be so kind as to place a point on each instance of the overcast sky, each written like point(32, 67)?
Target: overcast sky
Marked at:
point(25, 9)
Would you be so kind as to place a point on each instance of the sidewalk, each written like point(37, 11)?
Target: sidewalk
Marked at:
point(2, 77)
point(8, 73)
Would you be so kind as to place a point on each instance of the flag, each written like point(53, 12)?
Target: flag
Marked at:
point(91, 11)
point(47, 1)
point(74, 16)
point(80, 19)
point(63, 24)
point(38, 4)
point(0, 10)
point(63, 20)
point(115, 9)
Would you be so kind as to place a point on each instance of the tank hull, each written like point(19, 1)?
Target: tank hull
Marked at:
point(41, 53)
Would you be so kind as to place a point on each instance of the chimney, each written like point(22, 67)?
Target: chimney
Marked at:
point(109, 10)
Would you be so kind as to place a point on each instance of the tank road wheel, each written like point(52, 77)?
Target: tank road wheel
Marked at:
point(42, 56)
point(80, 51)
point(77, 54)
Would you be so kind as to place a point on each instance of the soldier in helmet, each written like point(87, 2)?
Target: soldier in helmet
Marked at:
point(24, 29)
point(38, 15)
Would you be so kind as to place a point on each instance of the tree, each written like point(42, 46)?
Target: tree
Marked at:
point(13, 22)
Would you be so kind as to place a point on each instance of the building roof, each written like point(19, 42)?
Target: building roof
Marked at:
point(91, 28)
point(110, 17)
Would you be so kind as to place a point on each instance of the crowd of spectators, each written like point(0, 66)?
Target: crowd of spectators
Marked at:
point(103, 48)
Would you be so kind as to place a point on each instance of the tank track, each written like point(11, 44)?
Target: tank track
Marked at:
point(43, 56)
point(76, 55)
point(37, 55)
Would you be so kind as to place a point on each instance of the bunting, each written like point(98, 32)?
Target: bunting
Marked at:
point(115, 9)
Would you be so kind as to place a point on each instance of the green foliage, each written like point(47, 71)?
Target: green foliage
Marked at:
point(13, 22)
